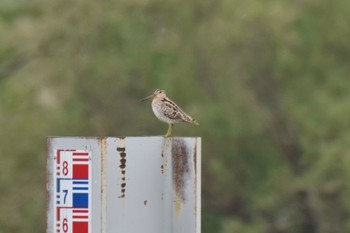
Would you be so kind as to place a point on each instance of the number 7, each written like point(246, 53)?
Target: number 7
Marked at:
point(65, 195)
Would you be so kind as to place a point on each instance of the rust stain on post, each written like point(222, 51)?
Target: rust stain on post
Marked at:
point(162, 169)
point(122, 165)
point(181, 169)
point(165, 147)
point(195, 179)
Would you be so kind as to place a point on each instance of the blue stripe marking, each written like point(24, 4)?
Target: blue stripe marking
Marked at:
point(80, 182)
point(80, 188)
point(80, 200)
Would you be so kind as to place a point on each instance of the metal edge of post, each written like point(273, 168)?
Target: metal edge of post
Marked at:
point(49, 224)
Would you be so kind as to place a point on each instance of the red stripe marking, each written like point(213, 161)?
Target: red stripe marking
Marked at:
point(81, 227)
point(80, 211)
point(80, 153)
point(58, 155)
point(76, 216)
point(80, 171)
point(58, 213)
point(81, 159)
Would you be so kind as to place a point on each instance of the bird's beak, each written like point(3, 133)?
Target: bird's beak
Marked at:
point(146, 98)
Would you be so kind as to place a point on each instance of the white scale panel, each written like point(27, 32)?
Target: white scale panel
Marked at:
point(72, 191)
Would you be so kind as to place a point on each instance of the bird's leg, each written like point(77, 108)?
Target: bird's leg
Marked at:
point(170, 130)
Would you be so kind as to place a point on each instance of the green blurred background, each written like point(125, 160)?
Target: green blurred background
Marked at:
point(268, 81)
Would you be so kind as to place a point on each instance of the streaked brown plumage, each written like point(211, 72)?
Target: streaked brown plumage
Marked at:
point(167, 111)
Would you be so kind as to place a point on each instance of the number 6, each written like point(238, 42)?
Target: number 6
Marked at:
point(65, 225)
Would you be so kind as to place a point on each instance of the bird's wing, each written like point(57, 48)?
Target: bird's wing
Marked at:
point(174, 112)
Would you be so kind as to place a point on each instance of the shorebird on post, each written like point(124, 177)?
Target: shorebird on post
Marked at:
point(167, 111)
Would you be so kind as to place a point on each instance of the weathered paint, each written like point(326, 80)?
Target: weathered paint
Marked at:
point(140, 184)
point(103, 144)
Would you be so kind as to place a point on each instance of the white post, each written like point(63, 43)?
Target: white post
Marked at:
point(123, 185)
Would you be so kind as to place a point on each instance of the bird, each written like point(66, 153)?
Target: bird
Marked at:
point(168, 111)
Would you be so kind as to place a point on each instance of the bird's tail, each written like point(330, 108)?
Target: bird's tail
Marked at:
point(193, 121)
point(187, 118)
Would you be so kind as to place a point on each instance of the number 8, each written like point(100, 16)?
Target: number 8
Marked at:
point(65, 168)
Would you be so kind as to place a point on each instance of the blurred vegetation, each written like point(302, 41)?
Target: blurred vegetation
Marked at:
point(269, 82)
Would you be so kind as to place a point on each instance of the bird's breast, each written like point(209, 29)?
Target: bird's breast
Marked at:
point(159, 112)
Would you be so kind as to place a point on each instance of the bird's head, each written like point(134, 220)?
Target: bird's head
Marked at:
point(157, 93)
